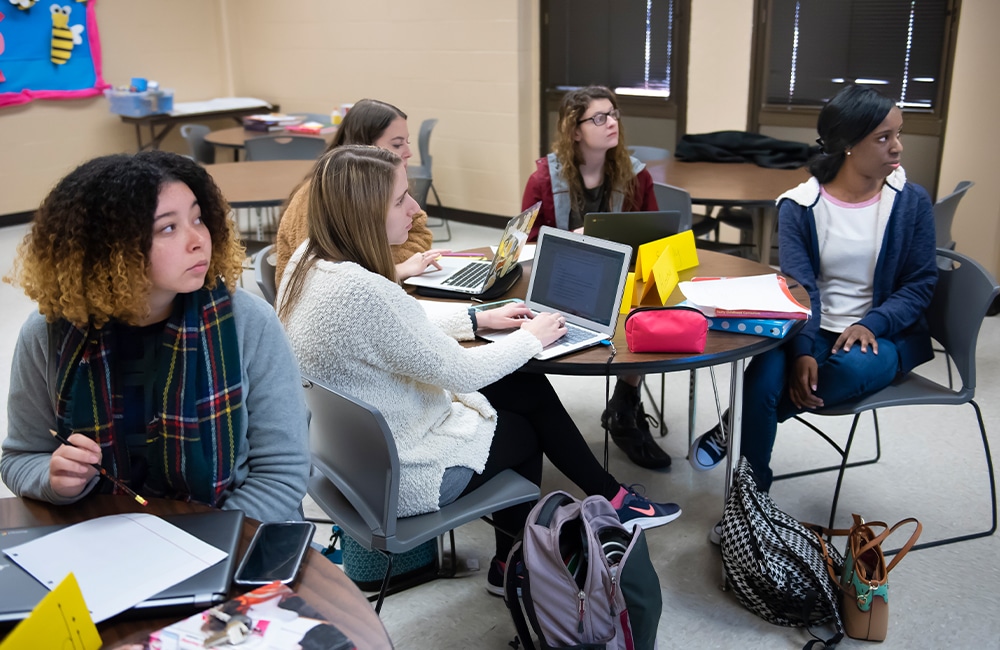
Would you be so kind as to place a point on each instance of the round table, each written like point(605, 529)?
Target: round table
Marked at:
point(236, 137)
point(262, 183)
point(320, 582)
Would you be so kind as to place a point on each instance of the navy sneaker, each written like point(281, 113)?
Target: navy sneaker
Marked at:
point(709, 449)
point(494, 579)
point(639, 511)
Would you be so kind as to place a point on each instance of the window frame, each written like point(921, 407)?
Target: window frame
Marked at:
point(673, 107)
point(918, 121)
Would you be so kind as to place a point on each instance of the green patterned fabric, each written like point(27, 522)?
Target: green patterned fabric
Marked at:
point(191, 442)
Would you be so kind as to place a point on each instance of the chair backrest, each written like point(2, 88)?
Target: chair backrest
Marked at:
point(649, 154)
point(669, 197)
point(965, 290)
point(944, 214)
point(352, 447)
point(201, 151)
point(424, 144)
point(420, 184)
point(263, 269)
point(285, 147)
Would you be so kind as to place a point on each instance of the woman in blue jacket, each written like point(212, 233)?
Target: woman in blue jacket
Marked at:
point(860, 239)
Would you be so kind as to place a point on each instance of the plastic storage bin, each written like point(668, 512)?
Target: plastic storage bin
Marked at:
point(150, 102)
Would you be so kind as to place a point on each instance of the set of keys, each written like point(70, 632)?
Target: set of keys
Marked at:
point(236, 632)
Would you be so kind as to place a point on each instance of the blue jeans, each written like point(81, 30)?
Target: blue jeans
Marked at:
point(845, 376)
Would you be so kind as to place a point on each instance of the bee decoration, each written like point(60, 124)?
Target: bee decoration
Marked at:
point(64, 35)
point(23, 5)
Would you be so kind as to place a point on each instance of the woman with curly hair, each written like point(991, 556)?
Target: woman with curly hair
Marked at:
point(369, 122)
point(143, 355)
point(590, 170)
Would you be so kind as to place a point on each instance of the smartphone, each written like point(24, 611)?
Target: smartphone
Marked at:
point(275, 552)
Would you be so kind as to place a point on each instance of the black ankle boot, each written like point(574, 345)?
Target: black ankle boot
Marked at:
point(626, 421)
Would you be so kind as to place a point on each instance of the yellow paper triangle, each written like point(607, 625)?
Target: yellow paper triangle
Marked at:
point(628, 296)
point(60, 620)
point(665, 273)
point(685, 253)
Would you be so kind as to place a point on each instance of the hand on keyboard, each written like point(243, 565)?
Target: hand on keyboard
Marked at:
point(505, 317)
point(547, 327)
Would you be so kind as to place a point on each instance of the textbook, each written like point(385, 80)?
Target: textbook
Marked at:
point(271, 617)
point(311, 128)
point(774, 328)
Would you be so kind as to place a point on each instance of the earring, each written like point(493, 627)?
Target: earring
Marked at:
point(848, 152)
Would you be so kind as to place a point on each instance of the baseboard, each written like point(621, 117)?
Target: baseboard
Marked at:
point(16, 218)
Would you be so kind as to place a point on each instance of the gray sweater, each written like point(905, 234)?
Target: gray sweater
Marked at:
point(272, 460)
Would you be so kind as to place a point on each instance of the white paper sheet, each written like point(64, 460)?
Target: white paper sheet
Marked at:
point(118, 560)
point(752, 293)
point(218, 104)
point(527, 252)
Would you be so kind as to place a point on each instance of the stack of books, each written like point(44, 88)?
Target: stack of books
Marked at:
point(311, 128)
point(757, 305)
point(269, 122)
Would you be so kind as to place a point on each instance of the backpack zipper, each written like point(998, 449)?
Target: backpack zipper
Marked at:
point(581, 597)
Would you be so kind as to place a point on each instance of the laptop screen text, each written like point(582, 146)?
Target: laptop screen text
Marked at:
point(576, 278)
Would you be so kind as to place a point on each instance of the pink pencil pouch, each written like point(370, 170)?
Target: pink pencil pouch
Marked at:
point(673, 330)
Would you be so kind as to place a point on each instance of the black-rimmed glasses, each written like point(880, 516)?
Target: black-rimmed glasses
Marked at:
point(600, 118)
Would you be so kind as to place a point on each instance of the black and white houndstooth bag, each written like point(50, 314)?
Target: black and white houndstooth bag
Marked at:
point(776, 566)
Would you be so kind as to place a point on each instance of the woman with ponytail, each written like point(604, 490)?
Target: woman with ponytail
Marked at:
point(860, 239)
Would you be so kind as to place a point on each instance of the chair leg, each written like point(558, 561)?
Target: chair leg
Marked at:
point(993, 497)
point(844, 465)
point(692, 404)
point(385, 582)
point(841, 451)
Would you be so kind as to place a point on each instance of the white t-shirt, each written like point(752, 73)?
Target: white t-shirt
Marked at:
point(849, 241)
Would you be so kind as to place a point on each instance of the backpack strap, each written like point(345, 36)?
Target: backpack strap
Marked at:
point(512, 601)
point(552, 503)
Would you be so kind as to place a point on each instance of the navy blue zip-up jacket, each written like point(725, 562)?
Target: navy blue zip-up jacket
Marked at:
point(905, 272)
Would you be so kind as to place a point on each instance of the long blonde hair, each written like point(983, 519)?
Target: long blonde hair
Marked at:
point(617, 163)
point(349, 199)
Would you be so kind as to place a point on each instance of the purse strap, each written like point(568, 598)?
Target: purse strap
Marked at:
point(878, 539)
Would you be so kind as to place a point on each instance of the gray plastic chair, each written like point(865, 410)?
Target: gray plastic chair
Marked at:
point(284, 147)
point(944, 214)
point(649, 154)
point(201, 151)
point(424, 175)
point(355, 481)
point(263, 270)
point(964, 292)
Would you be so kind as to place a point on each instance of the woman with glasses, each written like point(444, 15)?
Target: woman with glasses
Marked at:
point(590, 170)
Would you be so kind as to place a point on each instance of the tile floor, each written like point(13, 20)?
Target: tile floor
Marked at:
point(932, 468)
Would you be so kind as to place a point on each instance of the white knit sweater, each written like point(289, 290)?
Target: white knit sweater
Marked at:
point(364, 335)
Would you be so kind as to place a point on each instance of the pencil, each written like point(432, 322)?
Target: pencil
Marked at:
point(103, 472)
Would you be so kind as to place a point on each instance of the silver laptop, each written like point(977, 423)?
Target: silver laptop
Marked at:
point(632, 228)
point(581, 278)
point(220, 528)
point(476, 277)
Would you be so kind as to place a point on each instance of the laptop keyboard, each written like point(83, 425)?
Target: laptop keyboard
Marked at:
point(470, 276)
point(574, 334)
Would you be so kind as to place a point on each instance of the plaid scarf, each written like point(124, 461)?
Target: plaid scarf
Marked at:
point(191, 443)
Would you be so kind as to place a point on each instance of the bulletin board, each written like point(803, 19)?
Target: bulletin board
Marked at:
point(48, 50)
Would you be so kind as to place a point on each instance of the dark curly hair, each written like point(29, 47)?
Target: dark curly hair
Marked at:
point(617, 165)
point(86, 257)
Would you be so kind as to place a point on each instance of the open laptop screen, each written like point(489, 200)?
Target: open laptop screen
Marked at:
point(574, 277)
